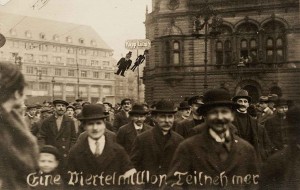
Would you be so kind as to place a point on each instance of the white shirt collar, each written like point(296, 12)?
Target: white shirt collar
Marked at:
point(216, 137)
point(137, 127)
point(92, 144)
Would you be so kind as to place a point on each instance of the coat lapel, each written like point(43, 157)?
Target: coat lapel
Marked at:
point(53, 127)
point(64, 123)
point(105, 159)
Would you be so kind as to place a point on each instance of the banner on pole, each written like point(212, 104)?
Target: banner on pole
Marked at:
point(138, 44)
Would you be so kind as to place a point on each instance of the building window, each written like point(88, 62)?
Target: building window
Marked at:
point(70, 88)
point(95, 53)
point(95, 89)
point(275, 34)
point(82, 61)
point(57, 59)
point(69, 39)
point(14, 44)
point(228, 52)
point(107, 90)
point(71, 73)
point(29, 70)
point(219, 53)
point(42, 36)
point(58, 72)
point(82, 51)
point(28, 34)
point(96, 74)
point(44, 58)
point(83, 74)
point(107, 76)
point(81, 41)
point(56, 48)
point(43, 86)
point(29, 57)
point(70, 50)
point(44, 71)
point(93, 43)
point(70, 61)
point(105, 63)
point(94, 63)
point(13, 32)
point(56, 38)
point(57, 88)
point(176, 53)
point(43, 47)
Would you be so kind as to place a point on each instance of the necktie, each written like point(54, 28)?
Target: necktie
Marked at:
point(139, 131)
point(97, 151)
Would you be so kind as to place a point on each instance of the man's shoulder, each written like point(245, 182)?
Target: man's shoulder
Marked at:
point(176, 136)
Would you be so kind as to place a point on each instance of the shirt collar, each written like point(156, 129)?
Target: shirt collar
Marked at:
point(100, 140)
point(216, 137)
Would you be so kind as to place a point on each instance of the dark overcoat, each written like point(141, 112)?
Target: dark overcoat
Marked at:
point(62, 139)
point(124, 64)
point(148, 154)
point(184, 127)
point(127, 134)
point(196, 154)
point(120, 120)
point(113, 159)
point(282, 170)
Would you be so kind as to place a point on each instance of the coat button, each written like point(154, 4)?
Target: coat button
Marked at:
point(63, 139)
point(65, 155)
point(159, 167)
point(64, 147)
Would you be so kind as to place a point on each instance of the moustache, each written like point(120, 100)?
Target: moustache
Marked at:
point(220, 121)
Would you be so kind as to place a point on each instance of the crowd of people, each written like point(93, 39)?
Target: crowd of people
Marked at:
point(210, 141)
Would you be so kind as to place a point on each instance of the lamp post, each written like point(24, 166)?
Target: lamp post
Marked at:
point(210, 21)
point(53, 82)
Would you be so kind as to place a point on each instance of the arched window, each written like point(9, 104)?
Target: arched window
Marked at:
point(275, 45)
point(167, 52)
point(223, 46)
point(219, 53)
point(228, 52)
point(176, 53)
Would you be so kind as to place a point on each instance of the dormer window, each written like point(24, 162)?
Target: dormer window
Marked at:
point(56, 38)
point(69, 39)
point(81, 41)
point(42, 36)
point(28, 34)
point(93, 43)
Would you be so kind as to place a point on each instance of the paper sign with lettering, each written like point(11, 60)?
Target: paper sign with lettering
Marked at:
point(138, 44)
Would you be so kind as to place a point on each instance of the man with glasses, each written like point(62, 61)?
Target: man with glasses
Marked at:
point(122, 118)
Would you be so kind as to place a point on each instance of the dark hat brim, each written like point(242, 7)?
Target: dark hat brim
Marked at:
point(138, 112)
point(92, 117)
point(163, 111)
point(202, 110)
point(184, 108)
point(60, 102)
point(238, 97)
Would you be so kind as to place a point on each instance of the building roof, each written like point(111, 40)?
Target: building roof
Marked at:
point(12, 25)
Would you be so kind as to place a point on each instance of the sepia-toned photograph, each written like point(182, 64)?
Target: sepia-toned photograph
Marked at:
point(149, 94)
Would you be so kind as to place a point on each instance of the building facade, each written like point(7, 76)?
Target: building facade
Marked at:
point(256, 47)
point(59, 60)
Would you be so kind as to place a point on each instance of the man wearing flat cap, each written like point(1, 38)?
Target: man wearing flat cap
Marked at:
point(184, 128)
point(59, 130)
point(127, 133)
point(97, 154)
point(70, 112)
point(248, 127)
point(31, 117)
point(122, 118)
point(282, 170)
point(263, 111)
point(154, 149)
point(216, 152)
point(45, 113)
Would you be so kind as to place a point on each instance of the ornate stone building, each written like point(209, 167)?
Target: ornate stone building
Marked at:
point(257, 48)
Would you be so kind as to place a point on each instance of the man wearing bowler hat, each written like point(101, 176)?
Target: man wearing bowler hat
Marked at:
point(127, 133)
point(184, 111)
point(59, 130)
point(248, 128)
point(216, 152)
point(122, 118)
point(282, 170)
point(97, 153)
point(154, 149)
point(184, 128)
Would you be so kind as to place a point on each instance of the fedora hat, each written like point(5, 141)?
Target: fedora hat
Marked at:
point(184, 105)
point(51, 150)
point(70, 106)
point(138, 109)
point(91, 112)
point(195, 100)
point(242, 94)
point(60, 102)
point(272, 98)
point(263, 99)
point(214, 98)
point(164, 106)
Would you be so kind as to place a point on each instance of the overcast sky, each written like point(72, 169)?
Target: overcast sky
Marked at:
point(114, 20)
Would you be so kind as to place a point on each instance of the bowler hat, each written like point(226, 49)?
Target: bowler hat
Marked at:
point(195, 100)
point(293, 116)
point(164, 106)
point(272, 97)
point(92, 111)
point(138, 109)
point(214, 98)
point(60, 102)
point(184, 105)
point(242, 94)
point(51, 150)
point(263, 99)
point(124, 100)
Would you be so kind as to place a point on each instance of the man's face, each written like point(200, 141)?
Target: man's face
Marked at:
point(70, 112)
point(244, 104)
point(95, 128)
point(127, 106)
point(263, 105)
point(138, 119)
point(106, 107)
point(195, 108)
point(282, 109)
point(186, 112)
point(164, 121)
point(47, 162)
point(77, 111)
point(128, 56)
point(32, 111)
point(60, 109)
point(219, 118)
